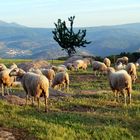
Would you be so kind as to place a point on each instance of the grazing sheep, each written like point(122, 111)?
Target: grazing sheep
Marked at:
point(80, 64)
point(120, 66)
point(59, 68)
point(123, 60)
point(34, 85)
point(5, 79)
point(2, 67)
point(131, 69)
point(61, 79)
point(107, 62)
point(13, 66)
point(70, 66)
point(37, 71)
point(119, 82)
point(99, 66)
point(49, 73)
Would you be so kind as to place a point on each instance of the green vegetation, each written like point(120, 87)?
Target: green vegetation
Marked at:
point(17, 61)
point(89, 113)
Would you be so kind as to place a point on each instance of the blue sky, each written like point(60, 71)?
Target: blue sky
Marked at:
point(43, 13)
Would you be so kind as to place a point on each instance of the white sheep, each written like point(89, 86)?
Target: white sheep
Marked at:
point(5, 79)
point(107, 61)
point(119, 66)
point(49, 73)
point(123, 60)
point(35, 85)
point(37, 71)
point(61, 79)
point(99, 66)
point(131, 69)
point(80, 64)
point(70, 66)
point(119, 82)
point(59, 68)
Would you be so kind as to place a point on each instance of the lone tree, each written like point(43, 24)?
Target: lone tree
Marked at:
point(67, 38)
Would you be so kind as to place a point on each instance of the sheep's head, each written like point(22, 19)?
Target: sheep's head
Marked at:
point(17, 72)
point(2, 67)
point(134, 78)
point(13, 66)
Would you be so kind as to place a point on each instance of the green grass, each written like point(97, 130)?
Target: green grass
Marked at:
point(17, 61)
point(80, 116)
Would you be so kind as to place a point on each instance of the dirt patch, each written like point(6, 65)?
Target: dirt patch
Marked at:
point(94, 91)
point(12, 99)
point(15, 134)
point(19, 98)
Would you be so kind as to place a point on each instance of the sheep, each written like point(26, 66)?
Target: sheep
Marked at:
point(99, 66)
point(123, 60)
point(2, 67)
point(70, 66)
point(119, 82)
point(34, 85)
point(120, 66)
point(107, 62)
point(59, 68)
point(131, 69)
point(80, 64)
point(5, 79)
point(37, 71)
point(13, 66)
point(61, 79)
point(49, 73)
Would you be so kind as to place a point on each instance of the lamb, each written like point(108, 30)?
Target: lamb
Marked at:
point(119, 82)
point(61, 79)
point(49, 73)
point(123, 60)
point(131, 69)
point(34, 85)
point(107, 62)
point(80, 64)
point(99, 66)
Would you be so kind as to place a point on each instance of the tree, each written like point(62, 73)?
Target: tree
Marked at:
point(67, 38)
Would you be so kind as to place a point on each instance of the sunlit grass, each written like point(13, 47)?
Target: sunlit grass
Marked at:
point(90, 113)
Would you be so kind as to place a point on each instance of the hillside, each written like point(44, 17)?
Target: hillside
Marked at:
point(17, 41)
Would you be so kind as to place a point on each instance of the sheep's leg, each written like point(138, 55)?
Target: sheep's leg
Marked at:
point(2, 89)
point(38, 103)
point(26, 99)
point(125, 99)
point(118, 96)
point(46, 104)
point(115, 93)
point(129, 94)
point(32, 98)
point(129, 98)
point(7, 90)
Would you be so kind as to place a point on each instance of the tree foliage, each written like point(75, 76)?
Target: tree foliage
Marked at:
point(67, 38)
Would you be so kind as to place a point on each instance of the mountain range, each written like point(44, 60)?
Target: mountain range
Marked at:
point(18, 41)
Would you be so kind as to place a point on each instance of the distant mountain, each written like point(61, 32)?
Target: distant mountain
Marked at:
point(13, 24)
point(17, 41)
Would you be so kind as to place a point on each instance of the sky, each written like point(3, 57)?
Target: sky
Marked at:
point(88, 13)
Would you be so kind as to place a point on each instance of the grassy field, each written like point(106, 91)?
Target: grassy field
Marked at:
point(89, 113)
